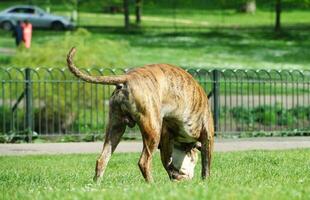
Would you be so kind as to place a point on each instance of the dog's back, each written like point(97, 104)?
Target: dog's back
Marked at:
point(173, 93)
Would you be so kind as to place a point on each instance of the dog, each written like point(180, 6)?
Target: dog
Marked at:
point(171, 110)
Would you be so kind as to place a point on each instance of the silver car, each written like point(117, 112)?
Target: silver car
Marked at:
point(35, 15)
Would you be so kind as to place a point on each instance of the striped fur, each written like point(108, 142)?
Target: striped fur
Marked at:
point(170, 108)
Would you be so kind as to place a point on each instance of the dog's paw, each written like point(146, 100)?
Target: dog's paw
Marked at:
point(97, 179)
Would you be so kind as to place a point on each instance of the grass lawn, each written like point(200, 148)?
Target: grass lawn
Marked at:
point(238, 175)
point(219, 39)
point(195, 18)
point(212, 48)
point(222, 48)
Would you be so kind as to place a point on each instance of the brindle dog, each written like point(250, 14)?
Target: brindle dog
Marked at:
point(169, 107)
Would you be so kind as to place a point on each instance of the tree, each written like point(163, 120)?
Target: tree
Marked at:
point(138, 11)
point(278, 9)
point(126, 13)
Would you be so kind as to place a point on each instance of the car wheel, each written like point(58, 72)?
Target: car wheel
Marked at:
point(57, 26)
point(6, 25)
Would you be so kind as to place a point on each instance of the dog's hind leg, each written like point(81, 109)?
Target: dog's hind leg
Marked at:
point(207, 140)
point(114, 132)
point(150, 130)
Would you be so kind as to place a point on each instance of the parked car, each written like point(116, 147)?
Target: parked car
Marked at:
point(35, 15)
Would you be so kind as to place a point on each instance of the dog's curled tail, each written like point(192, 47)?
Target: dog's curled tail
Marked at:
point(108, 80)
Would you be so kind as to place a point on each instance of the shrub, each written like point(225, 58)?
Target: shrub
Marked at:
point(285, 118)
point(242, 115)
point(49, 120)
point(12, 123)
point(270, 115)
point(300, 112)
point(91, 52)
point(5, 119)
point(264, 114)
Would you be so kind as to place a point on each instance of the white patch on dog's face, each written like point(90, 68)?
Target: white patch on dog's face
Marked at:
point(185, 162)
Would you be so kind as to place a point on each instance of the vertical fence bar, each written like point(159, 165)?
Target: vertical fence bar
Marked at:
point(4, 128)
point(28, 96)
point(216, 99)
point(225, 103)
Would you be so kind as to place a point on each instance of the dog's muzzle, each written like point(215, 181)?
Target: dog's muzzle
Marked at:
point(184, 160)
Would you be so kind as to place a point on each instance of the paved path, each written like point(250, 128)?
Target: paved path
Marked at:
point(7, 51)
point(221, 145)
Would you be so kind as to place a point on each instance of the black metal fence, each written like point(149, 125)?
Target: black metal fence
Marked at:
point(51, 102)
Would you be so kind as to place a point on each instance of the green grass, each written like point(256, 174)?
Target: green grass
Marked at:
point(222, 49)
point(211, 48)
point(238, 175)
point(189, 18)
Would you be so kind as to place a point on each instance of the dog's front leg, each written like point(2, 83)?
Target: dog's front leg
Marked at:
point(114, 132)
point(166, 147)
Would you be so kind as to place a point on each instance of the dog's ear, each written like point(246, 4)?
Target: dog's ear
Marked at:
point(198, 146)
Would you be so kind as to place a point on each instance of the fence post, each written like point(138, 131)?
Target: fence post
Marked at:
point(216, 98)
point(28, 98)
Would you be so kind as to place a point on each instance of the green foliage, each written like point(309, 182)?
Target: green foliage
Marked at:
point(5, 60)
point(51, 120)
point(90, 121)
point(52, 51)
point(270, 115)
point(242, 115)
point(301, 112)
point(5, 119)
point(265, 115)
point(277, 175)
point(12, 124)
point(286, 118)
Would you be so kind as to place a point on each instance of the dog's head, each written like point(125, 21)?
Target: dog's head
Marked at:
point(183, 163)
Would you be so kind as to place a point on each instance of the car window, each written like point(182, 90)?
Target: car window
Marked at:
point(29, 11)
point(39, 11)
point(22, 10)
point(15, 10)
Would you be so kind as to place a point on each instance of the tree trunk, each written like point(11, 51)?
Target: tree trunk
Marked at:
point(126, 13)
point(278, 15)
point(138, 11)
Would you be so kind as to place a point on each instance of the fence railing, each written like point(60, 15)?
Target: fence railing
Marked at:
point(52, 102)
